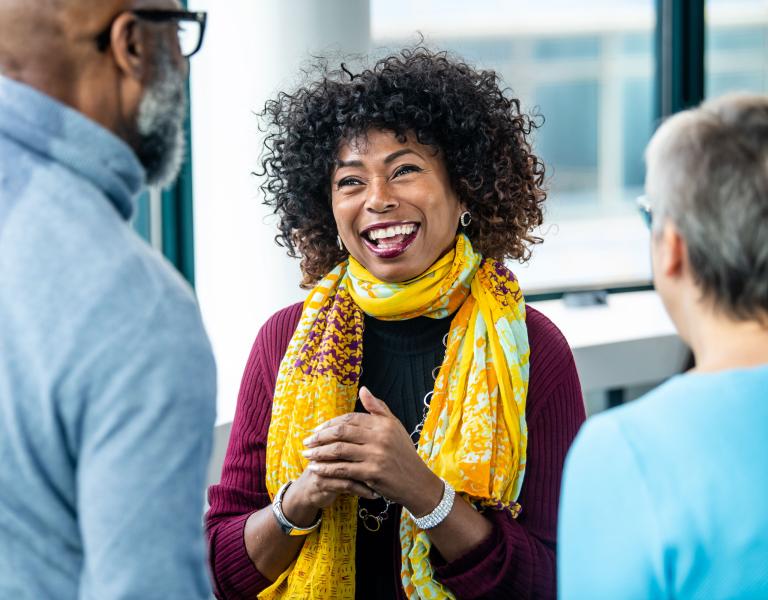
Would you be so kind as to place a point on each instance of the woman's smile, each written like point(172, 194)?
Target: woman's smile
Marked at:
point(390, 239)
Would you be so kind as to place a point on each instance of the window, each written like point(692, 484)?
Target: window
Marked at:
point(736, 56)
point(588, 67)
point(588, 70)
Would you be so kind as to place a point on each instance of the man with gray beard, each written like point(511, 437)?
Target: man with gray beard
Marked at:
point(107, 381)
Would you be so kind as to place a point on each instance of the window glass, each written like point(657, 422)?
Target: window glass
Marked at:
point(736, 46)
point(587, 68)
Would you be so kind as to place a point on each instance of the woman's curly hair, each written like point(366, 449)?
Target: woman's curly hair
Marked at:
point(446, 104)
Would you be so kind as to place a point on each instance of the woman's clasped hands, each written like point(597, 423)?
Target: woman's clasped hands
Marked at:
point(369, 455)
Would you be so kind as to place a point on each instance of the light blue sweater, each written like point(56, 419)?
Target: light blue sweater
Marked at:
point(107, 381)
point(667, 497)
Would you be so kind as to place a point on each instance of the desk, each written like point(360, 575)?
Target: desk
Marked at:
point(630, 341)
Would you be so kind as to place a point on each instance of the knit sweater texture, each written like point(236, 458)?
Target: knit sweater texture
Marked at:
point(107, 380)
point(517, 560)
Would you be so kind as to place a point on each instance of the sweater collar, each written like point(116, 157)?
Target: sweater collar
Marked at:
point(67, 137)
point(409, 336)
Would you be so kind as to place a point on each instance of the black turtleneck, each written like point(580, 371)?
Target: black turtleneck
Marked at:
point(398, 362)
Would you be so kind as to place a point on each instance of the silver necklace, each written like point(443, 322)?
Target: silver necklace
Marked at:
point(373, 522)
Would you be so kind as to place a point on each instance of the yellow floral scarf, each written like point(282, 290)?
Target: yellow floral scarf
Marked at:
point(474, 435)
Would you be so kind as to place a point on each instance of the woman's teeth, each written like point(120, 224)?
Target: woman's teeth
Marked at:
point(390, 242)
point(391, 235)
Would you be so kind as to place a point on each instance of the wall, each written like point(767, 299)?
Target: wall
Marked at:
point(251, 50)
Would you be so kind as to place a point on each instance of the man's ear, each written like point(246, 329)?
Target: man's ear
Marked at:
point(128, 46)
point(673, 253)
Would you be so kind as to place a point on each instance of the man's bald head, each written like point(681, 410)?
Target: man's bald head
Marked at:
point(133, 85)
point(45, 42)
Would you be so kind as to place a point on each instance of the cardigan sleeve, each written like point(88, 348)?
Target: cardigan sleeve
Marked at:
point(517, 560)
point(242, 489)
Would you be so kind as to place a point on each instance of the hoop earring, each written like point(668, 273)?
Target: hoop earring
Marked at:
point(465, 219)
point(339, 243)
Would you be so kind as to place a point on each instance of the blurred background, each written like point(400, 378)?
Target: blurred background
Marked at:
point(601, 73)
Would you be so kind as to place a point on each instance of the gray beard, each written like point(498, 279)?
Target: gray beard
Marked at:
point(160, 123)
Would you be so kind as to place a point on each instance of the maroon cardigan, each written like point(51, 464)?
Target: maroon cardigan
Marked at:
point(516, 561)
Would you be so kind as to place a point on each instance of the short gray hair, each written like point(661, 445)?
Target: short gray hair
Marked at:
point(708, 174)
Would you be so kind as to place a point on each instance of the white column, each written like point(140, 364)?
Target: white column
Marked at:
point(251, 50)
point(610, 148)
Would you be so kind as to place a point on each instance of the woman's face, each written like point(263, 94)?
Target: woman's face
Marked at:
point(393, 204)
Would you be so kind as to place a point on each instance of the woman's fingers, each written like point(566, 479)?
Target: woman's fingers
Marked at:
point(335, 451)
point(346, 428)
point(352, 427)
point(335, 486)
point(374, 405)
point(353, 471)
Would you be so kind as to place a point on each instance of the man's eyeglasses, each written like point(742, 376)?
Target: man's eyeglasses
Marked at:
point(190, 28)
point(644, 206)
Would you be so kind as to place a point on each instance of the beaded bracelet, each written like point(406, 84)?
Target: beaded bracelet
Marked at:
point(440, 512)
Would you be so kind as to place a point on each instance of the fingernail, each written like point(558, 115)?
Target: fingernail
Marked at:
point(306, 453)
point(312, 467)
point(307, 441)
point(318, 428)
point(376, 496)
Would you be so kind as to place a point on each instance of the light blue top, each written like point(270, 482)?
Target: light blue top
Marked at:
point(107, 381)
point(667, 497)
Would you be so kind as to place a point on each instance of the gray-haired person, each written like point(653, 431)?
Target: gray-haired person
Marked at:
point(666, 497)
point(107, 381)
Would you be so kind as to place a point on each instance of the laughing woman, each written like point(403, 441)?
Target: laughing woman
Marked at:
point(402, 432)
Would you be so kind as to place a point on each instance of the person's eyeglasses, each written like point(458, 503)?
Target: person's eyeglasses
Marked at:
point(190, 28)
point(644, 206)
